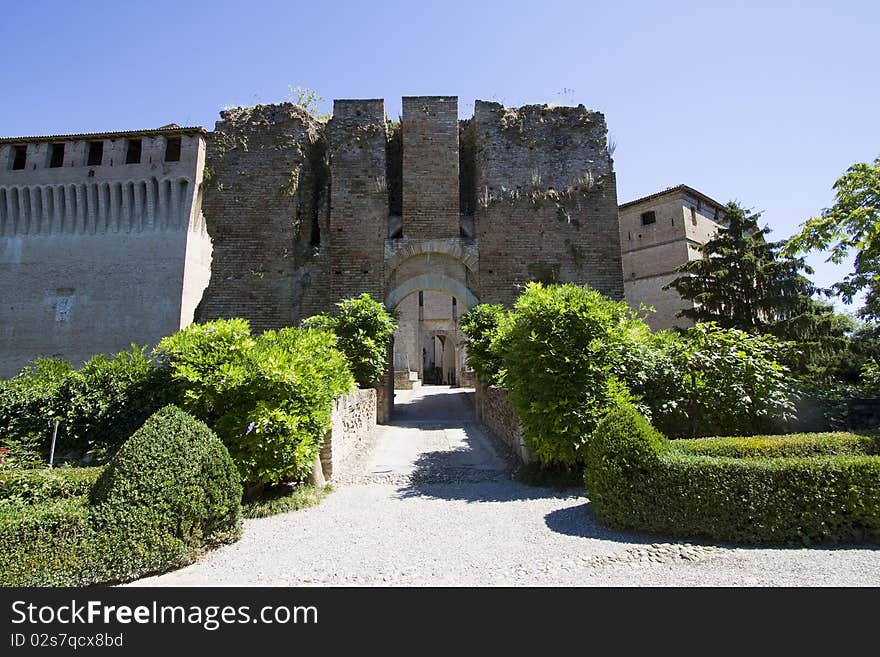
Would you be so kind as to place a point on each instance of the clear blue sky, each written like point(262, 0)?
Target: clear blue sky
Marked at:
point(763, 102)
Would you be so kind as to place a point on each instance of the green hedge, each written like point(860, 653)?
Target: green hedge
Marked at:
point(170, 491)
point(795, 444)
point(637, 480)
point(45, 485)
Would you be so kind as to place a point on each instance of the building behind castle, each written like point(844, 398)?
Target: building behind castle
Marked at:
point(658, 234)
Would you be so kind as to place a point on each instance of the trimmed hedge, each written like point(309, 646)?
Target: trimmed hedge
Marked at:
point(45, 485)
point(636, 480)
point(795, 444)
point(171, 490)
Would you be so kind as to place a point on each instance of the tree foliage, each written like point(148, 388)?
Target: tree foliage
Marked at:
point(364, 329)
point(850, 226)
point(744, 281)
point(480, 327)
point(268, 398)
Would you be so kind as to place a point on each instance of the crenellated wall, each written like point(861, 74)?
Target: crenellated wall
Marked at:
point(96, 256)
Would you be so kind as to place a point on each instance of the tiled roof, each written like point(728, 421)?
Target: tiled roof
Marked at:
point(171, 129)
point(673, 190)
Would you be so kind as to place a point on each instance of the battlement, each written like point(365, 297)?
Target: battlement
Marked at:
point(347, 108)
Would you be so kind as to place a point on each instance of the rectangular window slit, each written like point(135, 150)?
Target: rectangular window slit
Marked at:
point(172, 149)
point(96, 153)
point(19, 157)
point(56, 155)
point(133, 152)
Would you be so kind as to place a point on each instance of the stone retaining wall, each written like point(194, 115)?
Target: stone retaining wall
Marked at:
point(353, 422)
point(494, 411)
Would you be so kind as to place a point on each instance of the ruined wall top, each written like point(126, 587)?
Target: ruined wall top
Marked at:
point(538, 147)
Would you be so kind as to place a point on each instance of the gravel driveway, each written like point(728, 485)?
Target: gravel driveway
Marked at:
point(432, 502)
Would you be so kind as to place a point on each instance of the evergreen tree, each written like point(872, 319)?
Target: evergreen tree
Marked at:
point(742, 281)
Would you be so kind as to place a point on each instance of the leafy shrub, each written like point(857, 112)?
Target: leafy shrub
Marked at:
point(738, 384)
point(30, 402)
point(97, 406)
point(480, 326)
point(170, 490)
point(364, 330)
point(711, 381)
point(795, 444)
point(35, 486)
point(561, 350)
point(268, 398)
point(175, 468)
point(636, 480)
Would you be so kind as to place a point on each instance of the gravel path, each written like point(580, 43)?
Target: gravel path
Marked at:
point(432, 502)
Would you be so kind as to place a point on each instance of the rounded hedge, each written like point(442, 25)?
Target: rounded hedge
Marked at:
point(636, 480)
point(175, 475)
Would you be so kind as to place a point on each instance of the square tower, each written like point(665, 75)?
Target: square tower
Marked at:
point(430, 167)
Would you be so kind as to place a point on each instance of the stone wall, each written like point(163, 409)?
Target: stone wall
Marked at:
point(94, 257)
point(265, 176)
point(546, 200)
point(353, 422)
point(430, 167)
point(494, 411)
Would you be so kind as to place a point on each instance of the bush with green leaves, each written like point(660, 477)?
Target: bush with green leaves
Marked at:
point(170, 491)
point(735, 382)
point(364, 329)
point(97, 406)
point(562, 351)
point(637, 480)
point(42, 485)
point(269, 398)
point(711, 381)
point(792, 444)
point(480, 327)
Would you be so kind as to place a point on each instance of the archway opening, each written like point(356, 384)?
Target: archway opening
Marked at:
point(428, 343)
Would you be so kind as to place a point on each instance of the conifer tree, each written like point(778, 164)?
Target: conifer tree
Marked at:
point(741, 281)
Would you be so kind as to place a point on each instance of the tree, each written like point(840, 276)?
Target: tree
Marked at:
point(364, 330)
point(743, 281)
point(851, 225)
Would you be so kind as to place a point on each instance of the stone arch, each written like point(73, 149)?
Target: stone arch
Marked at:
point(434, 282)
point(455, 248)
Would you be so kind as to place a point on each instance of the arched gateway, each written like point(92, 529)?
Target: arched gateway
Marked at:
point(433, 215)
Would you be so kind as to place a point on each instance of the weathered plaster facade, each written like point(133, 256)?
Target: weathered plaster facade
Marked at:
point(658, 234)
point(103, 243)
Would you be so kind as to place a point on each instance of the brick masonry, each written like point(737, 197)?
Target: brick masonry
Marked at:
point(262, 201)
point(430, 167)
point(546, 206)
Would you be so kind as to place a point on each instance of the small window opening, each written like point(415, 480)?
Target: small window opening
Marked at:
point(693, 216)
point(172, 149)
point(421, 298)
point(133, 153)
point(649, 217)
point(56, 155)
point(96, 153)
point(19, 157)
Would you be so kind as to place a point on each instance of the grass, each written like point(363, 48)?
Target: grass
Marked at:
point(284, 499)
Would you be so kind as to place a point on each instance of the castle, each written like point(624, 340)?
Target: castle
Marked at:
point(276, 215)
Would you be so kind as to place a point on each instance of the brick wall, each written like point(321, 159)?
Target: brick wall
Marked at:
point(546, 200)
point(430, 167)
point(358, 198)
point(262, 207)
